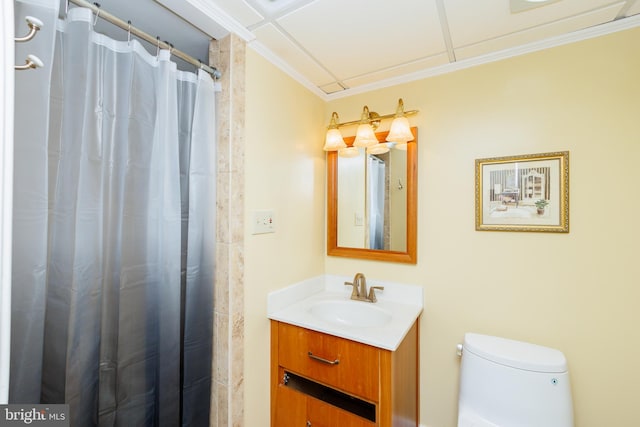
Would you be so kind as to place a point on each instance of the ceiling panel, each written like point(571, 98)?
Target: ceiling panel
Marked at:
point(635, 9)
point(283, 47)
point(541, 32)
point(472, 22)
point(332, 88)
point(240, 11)
point(274, 8)
point(395, 72)
point(361, 36)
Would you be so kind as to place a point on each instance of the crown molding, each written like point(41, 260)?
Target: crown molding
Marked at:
point(286, 68)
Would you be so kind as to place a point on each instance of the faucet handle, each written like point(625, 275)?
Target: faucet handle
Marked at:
point(354, 292)
point(372, 293)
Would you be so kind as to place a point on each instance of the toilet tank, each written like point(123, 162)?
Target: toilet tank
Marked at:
point(505, 383)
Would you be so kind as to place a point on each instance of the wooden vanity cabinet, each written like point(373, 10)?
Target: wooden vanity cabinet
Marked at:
point(320, 380)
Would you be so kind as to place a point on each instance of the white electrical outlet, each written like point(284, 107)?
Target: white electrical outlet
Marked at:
point(263, 222)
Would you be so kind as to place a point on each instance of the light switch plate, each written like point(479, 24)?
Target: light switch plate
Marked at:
point(263, 222)
point(358, 219)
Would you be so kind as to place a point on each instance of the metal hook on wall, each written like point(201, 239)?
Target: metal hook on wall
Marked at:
point(400, 186)
point(34, 26)
point(31, 62)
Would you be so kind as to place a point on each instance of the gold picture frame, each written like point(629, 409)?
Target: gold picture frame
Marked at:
point(523, 193)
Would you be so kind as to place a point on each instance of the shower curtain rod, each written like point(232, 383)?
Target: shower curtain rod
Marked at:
point(95, 7)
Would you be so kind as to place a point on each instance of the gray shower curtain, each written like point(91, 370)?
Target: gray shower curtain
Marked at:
point(114, 230)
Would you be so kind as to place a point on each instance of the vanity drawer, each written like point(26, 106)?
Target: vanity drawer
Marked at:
point(346, 365)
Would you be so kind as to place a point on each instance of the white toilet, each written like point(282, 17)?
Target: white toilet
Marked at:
point(505, 383)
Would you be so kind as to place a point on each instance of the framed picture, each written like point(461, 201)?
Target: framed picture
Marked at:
point(523, 193)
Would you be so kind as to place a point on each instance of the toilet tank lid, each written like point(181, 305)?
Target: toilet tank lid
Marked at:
point(517, 354)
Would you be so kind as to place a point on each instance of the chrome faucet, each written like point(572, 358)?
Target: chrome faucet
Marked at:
point(359, 292)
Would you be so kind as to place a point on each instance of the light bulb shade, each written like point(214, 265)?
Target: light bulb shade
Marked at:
point(365, 136)
point(401, 146)
point(400, 130)
point(349, 152)
point(378, 148)
point(334, 140)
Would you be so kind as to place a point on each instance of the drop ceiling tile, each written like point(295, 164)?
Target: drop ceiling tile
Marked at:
point(468, 20)
point(634, 10)
point(331, 88)
point(351, 38)
point(402, 70)
point(271, 38)
point(241, 11)
point(516, 6)
point(272, 7)
point(539, 33)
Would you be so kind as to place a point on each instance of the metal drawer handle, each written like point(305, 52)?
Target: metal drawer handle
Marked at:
point(320, 359)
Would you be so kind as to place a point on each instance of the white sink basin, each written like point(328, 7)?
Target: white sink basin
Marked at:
point(322, 304)
point(351, 313)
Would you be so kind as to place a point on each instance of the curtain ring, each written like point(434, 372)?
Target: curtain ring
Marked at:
point(66, 8)
point(95, 21)
point(158, 48)
point(129, 32)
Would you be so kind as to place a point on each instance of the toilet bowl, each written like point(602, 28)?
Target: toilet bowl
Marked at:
point(506, 383)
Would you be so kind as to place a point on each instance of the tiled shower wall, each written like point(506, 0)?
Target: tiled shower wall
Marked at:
point(227, 394)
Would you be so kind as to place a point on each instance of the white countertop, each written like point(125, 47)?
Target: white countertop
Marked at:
point(293, 305)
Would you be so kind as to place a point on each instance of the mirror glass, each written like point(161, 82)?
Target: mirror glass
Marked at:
point(372, 204)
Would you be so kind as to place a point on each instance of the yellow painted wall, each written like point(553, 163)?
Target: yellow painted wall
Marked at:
point(577, 292)
point(284, 171)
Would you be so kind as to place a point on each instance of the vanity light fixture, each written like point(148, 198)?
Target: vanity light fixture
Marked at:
point(399, 134)
point(365, 135)
point(400, 130)
point(334, 140)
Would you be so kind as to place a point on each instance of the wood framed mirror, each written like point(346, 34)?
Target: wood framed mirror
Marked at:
point(372, 203)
